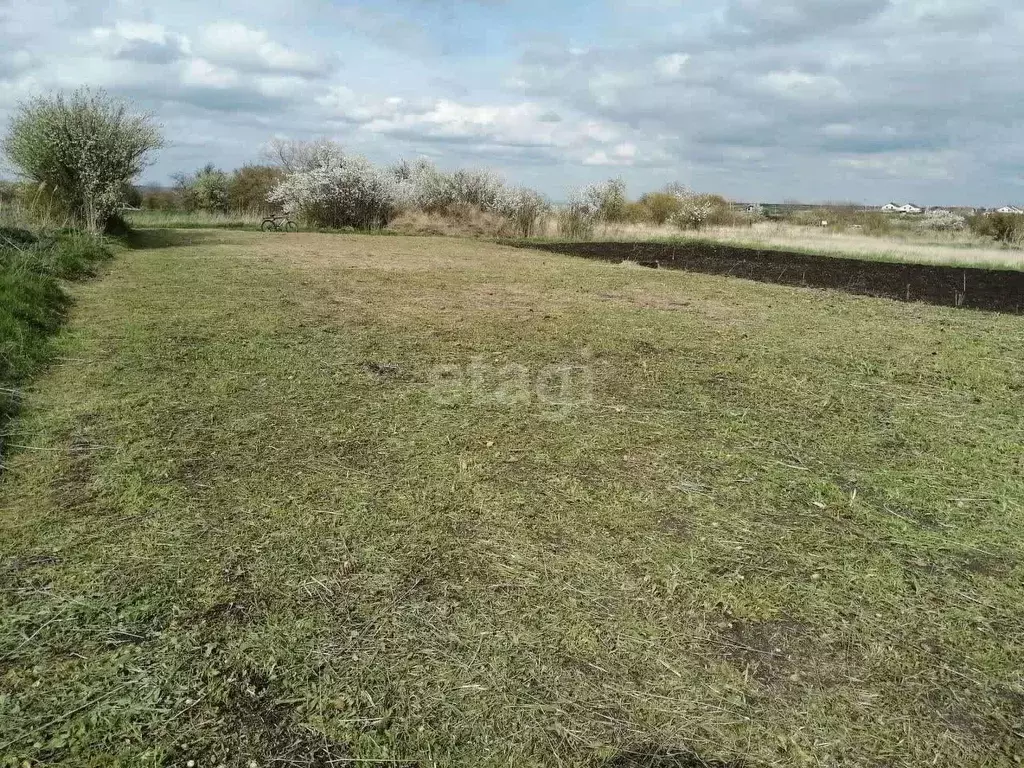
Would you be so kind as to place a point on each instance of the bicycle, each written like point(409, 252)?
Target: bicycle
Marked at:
point(278, 224)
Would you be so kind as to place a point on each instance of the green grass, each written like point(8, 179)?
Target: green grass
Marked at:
point(196, 220)
point(33, 301)
point(254, 523)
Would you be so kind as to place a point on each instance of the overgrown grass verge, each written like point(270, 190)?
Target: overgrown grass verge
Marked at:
point(33, 300)
point(194, 220)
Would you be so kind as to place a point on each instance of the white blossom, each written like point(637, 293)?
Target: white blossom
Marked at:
point(579, 215)
point(694, 210)
point(83, 150)
point(351, 193)
point(943, 221)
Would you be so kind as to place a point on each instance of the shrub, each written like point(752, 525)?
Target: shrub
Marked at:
point(943, 221)
point(608, 200)
point(694, 210)
point(249, 186)
point(659, 207)
point(161, 199)
point(205, 190)
point(1003, 227)
point(875, 223)
point(578, 217)
point(467, 195)
point(83, 150)
point(132, 196)
point(447, 193)
point(480, 188)
point(523, 208)
point(351, 194)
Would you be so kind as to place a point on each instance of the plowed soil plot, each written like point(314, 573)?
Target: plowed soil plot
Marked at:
point(990, 289)
point(340, 500)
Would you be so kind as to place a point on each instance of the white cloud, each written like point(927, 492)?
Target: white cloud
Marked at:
point(672, 65)
point(526, 124)
point(756, 98)
point(622, 155)
point(606, 87)
point(929, 166)
point(793, 84)
point(242, 47)
point(203, 73)
point(137, 41)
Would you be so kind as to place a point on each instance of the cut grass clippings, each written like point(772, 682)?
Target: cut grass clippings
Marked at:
point(324, 500)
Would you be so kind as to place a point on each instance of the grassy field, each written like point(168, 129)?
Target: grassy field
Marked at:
point(955, 248)
point(319, 500)
point(196, 220)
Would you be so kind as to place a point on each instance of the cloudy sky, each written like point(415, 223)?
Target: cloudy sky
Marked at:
point(866, 100)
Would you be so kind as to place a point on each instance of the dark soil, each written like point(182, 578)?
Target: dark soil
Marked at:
point(974, 288)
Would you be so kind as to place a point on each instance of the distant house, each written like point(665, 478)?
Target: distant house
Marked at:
point(904, 208)
point(1010, 209)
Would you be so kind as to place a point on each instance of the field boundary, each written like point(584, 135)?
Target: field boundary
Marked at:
point(994, 290)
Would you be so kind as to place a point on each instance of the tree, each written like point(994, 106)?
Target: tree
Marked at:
point(694, 210)
point(82, 150)
point(249, 186)
point(609, 200)
point(659, 207)
point(297, 156)
point(205, 190)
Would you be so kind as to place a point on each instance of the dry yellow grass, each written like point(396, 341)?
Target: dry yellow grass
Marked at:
point(934, 248)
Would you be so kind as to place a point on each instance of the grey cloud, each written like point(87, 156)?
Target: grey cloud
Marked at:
point(796, 18)
point(388, 30)
point(13, 63)
point(233, 100)
point(148, 52)
point(875, 84)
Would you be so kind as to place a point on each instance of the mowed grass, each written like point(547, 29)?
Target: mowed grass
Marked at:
point(283, 503)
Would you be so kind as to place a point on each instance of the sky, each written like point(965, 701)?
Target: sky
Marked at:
point(758, 100)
